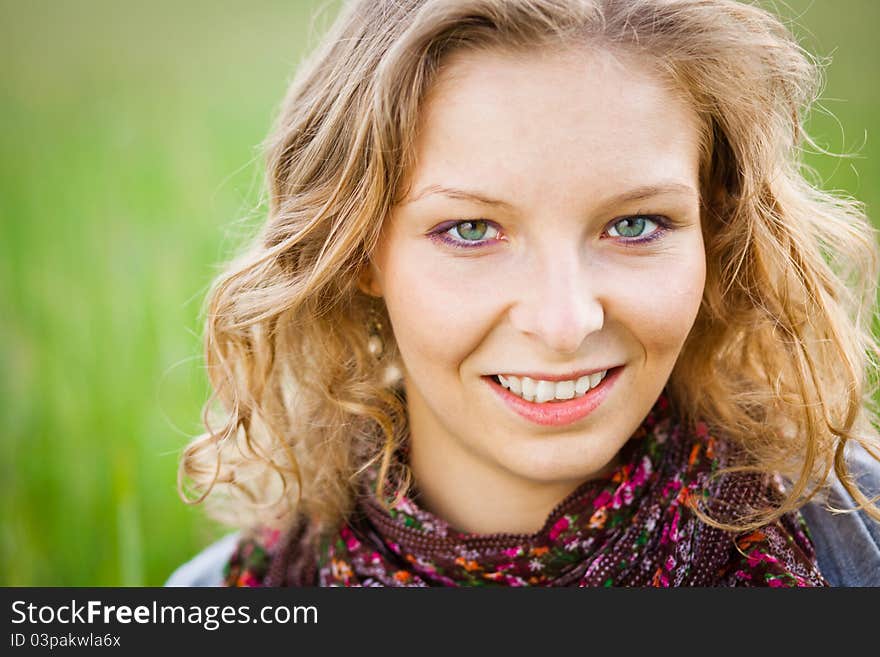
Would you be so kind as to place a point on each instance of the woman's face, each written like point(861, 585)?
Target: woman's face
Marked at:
point(551, 231)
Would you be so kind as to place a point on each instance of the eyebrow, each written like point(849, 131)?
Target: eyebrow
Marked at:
point(459, 194)
point(635, 194)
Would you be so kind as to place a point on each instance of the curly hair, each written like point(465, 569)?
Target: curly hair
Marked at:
point(781, 358)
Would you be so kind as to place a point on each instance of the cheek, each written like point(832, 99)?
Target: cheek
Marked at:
point(662, 313)
point(439, 314)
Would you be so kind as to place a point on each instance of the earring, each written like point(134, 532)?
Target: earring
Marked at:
point(374, 327)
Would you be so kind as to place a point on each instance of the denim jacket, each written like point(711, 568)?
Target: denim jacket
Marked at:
point(848, 544)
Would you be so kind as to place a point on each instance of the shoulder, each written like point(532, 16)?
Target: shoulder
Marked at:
point(261, 556)
point(250, 563)
point(848, 544)
point(207, 567)
point(778, 554)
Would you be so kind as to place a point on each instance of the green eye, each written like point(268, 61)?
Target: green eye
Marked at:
point(633, 227)
point(472, 230)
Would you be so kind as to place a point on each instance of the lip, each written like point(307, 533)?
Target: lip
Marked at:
point(557, 413)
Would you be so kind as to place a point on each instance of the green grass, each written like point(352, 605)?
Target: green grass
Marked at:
point(129, 170)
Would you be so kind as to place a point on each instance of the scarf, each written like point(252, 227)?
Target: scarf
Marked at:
point(634, 527)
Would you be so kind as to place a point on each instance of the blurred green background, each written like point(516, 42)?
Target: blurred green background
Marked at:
point(130, 170)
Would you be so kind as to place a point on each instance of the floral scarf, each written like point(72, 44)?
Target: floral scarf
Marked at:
point(635, 527)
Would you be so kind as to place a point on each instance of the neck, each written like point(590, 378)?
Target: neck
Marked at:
point(481, 509)
point(475, 501)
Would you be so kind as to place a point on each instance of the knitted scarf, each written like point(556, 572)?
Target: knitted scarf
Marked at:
point(635, 527)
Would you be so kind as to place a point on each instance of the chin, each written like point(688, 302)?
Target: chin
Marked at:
point(560, 466)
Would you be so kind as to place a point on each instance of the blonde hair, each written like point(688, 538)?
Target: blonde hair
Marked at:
point(781, 359)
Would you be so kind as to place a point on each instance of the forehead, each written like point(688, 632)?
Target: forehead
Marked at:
point(576, 117)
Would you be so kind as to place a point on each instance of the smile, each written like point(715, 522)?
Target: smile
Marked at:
point(554, 403)
point(541, 391)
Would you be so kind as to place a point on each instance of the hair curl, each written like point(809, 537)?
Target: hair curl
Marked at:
point(781, 359)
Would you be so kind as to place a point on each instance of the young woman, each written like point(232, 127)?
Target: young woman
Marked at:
point(544, 299)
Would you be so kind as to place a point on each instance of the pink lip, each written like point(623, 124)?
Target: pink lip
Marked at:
point(560, 412)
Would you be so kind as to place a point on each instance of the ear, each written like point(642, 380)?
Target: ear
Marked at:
point(368, 280)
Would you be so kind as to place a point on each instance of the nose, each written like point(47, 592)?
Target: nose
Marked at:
point(559, 302)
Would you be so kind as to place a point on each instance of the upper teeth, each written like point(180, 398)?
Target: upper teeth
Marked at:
point(542, 391)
